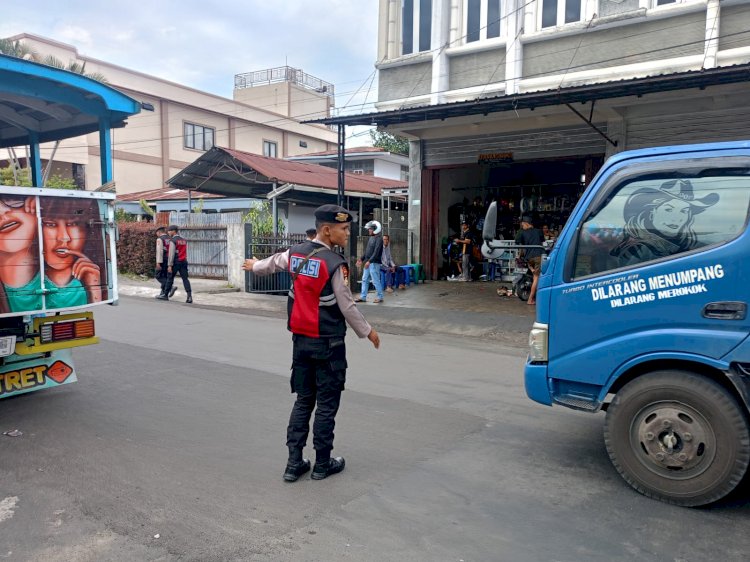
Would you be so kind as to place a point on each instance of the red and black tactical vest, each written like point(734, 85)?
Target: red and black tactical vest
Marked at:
point(165, 239)
point(312, 308)
point(180, 247)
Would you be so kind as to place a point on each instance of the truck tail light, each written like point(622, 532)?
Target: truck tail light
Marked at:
point(61, 331)
point(538, 343)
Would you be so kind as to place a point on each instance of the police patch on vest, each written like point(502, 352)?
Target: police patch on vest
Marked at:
point(310, 269)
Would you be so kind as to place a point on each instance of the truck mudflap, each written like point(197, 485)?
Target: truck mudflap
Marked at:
point(20, 374)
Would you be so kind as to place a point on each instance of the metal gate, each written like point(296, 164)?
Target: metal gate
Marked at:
point(262, 246)
point(207, 250)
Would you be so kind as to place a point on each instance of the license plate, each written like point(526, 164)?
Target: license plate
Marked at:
point(7, 345)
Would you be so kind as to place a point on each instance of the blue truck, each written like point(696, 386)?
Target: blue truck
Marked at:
point(642, 313)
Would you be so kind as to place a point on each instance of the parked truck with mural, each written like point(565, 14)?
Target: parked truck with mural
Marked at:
point(642, 312)
point(57, 247)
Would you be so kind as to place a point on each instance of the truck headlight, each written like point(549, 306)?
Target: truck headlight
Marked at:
point(538, 339)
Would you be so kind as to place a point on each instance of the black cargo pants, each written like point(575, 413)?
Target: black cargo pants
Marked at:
point(180, 268)
point(318, 377)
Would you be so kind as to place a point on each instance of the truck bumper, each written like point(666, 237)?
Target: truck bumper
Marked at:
point(537, 386)
point(22, 373)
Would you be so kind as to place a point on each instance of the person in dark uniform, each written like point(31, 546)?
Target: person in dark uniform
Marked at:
point(180, 265)
point(164, 247)
point(320, 305)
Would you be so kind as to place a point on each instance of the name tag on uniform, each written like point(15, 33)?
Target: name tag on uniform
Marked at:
point(310, 269)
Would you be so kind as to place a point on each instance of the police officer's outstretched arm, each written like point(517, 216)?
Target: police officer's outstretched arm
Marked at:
point(374, 338)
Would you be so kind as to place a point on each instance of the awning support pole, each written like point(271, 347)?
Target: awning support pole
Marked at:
point(588, 122)
point(341, 143)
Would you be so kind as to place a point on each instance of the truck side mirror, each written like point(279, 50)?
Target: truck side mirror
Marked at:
point(490, 222)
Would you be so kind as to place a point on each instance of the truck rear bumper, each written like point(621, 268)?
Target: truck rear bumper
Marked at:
point(20, 374)
point(537, 386)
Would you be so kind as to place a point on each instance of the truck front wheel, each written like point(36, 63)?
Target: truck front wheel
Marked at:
point(678, 437)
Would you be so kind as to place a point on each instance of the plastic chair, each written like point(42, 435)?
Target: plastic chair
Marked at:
point(408, 273)
point(418, 272)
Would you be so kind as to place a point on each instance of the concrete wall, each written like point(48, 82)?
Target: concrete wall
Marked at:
point(734, 24)
point(235, 254)
point(647, 41)
point(404, 81)
point(477, 69)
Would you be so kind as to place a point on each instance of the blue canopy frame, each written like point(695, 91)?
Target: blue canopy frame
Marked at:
point(40, 103)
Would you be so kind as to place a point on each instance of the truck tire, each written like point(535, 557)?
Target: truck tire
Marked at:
point(678, 437)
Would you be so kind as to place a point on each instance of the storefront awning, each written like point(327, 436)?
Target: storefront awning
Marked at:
point(560, 96)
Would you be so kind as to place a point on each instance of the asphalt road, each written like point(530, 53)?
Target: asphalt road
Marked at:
point(171, 447)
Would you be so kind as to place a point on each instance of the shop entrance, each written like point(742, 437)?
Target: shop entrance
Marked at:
point(546, 190)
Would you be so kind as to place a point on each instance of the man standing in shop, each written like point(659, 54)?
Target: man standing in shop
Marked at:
point(465, 242)
point(319, 307)
point(530, 236)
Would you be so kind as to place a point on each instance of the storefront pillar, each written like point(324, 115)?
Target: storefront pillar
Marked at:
point(415, 200)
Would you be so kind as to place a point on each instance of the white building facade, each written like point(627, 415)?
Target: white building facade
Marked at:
point(535, 150)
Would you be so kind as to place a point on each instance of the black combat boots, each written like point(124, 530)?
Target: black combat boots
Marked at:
point(189, 298)
point(328, 468)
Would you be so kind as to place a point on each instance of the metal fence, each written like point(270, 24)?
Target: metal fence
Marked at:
point(207, 251)
point(205, 219)
point(263, 246)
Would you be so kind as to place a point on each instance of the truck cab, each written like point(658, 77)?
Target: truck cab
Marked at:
point(642, 312)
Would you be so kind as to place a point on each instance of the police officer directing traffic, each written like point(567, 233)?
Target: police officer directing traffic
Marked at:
point(319, 304)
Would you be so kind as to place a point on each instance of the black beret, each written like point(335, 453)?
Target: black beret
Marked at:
point(173, 227)
point(527, 218)
point(332, 214)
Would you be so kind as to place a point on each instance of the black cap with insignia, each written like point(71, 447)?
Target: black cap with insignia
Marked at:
point(332, 214)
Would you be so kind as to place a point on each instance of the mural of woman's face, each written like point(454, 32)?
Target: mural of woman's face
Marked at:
point(60, 236)
point(669, 217)
point(17, 223)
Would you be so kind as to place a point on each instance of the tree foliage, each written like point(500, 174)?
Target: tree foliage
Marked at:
point(389, 142)
point(261, 217)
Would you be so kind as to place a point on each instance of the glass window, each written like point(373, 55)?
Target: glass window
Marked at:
point(269, 149)
point(644, 220)
point(416, 36)
point(198, 137)
point(572, 10)
point(549, 13)
point(493, 18)
point(473, 13)
point(407, 27)
point(560, 12)
point(663, 2)
point(425, 25)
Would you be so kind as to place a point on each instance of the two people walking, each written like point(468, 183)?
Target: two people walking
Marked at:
point(171, 260)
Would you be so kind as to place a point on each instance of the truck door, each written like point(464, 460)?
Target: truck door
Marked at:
point(657, 264)
point(75, 251)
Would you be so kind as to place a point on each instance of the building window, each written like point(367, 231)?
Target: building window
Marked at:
point(199, 137)
point(404, 173)
point(303, 144)
point(270, 149)
point(664, 2)
point(560, 12)
point(416, 26)
point(482, 19)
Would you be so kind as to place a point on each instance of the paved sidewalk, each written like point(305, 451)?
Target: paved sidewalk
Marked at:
point(461, 309)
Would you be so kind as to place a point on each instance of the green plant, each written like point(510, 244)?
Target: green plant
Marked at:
point(389, 142)
point(121, 215)
point(146, 208)
point(59, 182)
point(22, 178)
point(261, 217)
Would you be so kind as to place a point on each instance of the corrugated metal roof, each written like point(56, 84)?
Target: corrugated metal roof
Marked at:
point(558, 96)
point(163, 194)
